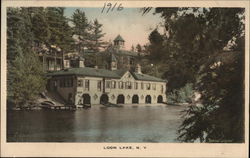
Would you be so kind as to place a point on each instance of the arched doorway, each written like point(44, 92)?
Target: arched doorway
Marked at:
point(148, 99)
point(120, 99)
point(135, 99)
point(159, 99)
point(104, 99)
point(86, 99)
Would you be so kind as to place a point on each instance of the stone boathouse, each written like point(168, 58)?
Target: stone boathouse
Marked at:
point(84, 85)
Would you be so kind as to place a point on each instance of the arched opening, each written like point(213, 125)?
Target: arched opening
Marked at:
point(120, 99)
point(86, 99)
point(148, 99)
point(104, 99)
point(135, 99)
point(159, 99)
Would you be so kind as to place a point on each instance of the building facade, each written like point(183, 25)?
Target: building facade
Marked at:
point(85, 85)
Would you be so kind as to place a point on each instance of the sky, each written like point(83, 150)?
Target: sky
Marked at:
point(129, 23)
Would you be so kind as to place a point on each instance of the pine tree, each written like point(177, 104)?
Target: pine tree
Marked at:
point(61, 32)
point(14, 33)
point(24, 76)
point(81, 30)
point(138, 48)
point(40, 26)
point(96, 36)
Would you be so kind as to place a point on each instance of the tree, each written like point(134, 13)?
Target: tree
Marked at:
point(14, 33)
point(193, 34)
point(220, 117)
point(24, 76)
point(61, 32)
point(156, 41)
point(26, 79)
point(96, 37)
point(138, 48)
point(195, 40)
point(40, 25)
point(81, 30)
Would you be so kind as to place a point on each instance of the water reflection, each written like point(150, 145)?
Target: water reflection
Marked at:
point(127, 124)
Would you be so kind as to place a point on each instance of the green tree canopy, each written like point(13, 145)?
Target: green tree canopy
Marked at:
point(25, 75)
point(194, 50)
point(81, 30)
point(96, 37)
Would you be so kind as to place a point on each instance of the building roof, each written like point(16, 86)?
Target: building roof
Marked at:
point(119, 52)
point(144, 77)
point(126, 53)
point(93, 72)
point(119, 38)
point(86, 71)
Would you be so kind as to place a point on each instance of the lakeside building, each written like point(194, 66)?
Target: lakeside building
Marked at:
point(86, 85)
point(120, 82)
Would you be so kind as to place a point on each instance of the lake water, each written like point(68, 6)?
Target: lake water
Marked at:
point(157, 123)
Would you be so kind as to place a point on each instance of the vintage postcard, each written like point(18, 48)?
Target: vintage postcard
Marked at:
point(124, 78)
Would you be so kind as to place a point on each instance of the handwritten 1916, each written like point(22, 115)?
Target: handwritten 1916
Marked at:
point(111, 7)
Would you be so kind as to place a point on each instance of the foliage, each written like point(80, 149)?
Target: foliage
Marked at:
point(195, 40)
point(25, 76)
point(222, 85)
point(182, 95)
point(96, 37)
point(155, 47)
point(192, 34)
point(61, 32)
point(40, 26)
point(26, 79)
point(138, 48)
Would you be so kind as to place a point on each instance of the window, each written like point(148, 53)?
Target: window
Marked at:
point(148, 86)
point(108, 84)
point(99, 85)
point(154, 86)
point(80, 83)
point(121, 85)
point(162, 89)
point(113, 84)
point(70, 82)
point(142, 85)
point(131, 62)
point(64, 82)
point(61, 83)
point(87, 85)
point(128, 85)
point(67, 83)
point(136, 85)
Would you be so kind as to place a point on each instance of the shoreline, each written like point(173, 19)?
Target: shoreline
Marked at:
point(65, 108)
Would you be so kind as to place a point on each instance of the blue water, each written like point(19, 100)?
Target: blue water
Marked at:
point(98, 124)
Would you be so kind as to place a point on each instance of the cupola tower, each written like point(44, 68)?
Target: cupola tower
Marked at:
point(119, 42)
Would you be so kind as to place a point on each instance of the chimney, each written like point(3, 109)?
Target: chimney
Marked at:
point(81, 62)
point(138, 69)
